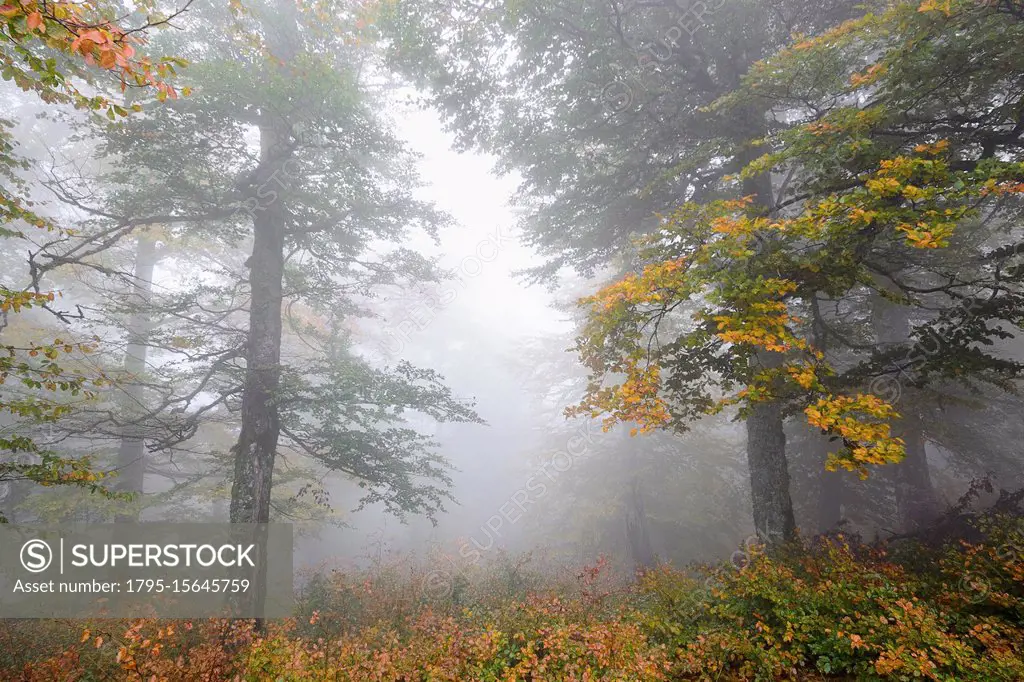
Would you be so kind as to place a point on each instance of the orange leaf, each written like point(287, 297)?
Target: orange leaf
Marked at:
point(108, 59)
point(93, 35)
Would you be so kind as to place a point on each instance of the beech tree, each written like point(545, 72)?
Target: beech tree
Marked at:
point(318, 191)
point(884, 170)
point(939, 303)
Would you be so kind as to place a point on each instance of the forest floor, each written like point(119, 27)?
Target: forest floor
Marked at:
point(944, 608)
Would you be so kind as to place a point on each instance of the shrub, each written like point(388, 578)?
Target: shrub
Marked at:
point(830, 609)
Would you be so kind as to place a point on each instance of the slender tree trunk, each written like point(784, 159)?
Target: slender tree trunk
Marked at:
point(637, 528)
point(830, 483)
point(257, 442)
point(17, 493)
point(831, 493)
point(131, 455)
point(916, 502)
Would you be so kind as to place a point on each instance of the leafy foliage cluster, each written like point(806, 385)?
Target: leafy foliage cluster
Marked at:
point(867, 189)
point(61, 52)
point(177, 183)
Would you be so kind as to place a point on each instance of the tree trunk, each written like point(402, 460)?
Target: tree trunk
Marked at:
point(257, 442)
point(769, 475)
point(17, 493)
point(637, 528)
point(917, 505)
point(774, 521)
point(640, 549)
point(916, 502)
point(131, 455)
point(831, 497)
point(256, 448)
point(830, 483)
point(261, 424)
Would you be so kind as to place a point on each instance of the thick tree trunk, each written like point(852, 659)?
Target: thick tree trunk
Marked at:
point(831, 491)
point(774, 521)
point(769, 475)
point(131, 455)
point(917, 505)
point(916, 501)
point(256, 448)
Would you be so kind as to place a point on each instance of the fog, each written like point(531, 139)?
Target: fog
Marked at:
point(429, 186)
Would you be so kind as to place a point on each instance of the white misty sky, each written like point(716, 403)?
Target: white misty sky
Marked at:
point(465, 186)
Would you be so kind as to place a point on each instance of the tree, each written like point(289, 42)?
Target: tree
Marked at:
point(530, 83)
point(876, 96)
point(891, 176)
point(33, 36)
point(319, 203)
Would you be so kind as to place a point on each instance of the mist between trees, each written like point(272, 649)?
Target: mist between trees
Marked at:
point(627, 284)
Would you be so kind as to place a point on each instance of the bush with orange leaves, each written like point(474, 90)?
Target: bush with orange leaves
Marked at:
point(829, 609)
point(540, 638)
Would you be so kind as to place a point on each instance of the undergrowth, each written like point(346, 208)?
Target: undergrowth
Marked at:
point(827, 609)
